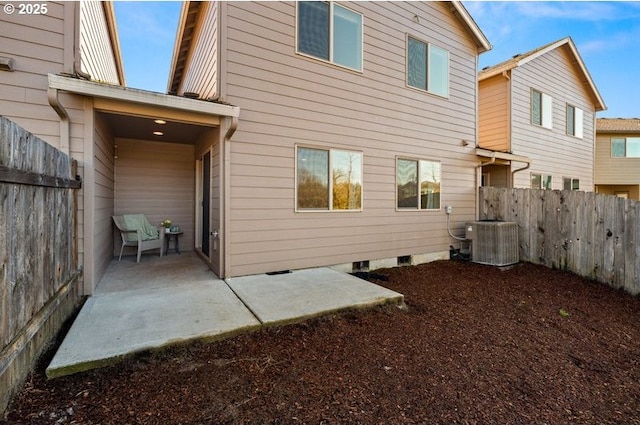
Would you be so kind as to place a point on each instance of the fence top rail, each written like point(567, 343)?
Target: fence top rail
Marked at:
point(15, 176)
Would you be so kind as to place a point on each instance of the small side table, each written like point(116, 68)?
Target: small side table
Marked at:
point(168, 236)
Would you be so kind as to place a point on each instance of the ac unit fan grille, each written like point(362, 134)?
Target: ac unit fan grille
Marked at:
point(493, 242)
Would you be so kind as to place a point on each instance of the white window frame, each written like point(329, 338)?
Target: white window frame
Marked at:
point(332, 5)
point(578, 122)
point(330, 183)
point(543, 179)
point(572, 181)
point(419, 205)
point(626, 148)
point(429, 46)
point(546, 110)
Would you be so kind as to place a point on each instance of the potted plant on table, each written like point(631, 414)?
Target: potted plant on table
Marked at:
point(166, 223)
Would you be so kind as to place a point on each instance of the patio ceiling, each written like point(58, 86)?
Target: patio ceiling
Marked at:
point(143, 128)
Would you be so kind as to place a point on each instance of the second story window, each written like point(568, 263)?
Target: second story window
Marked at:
point(330, 32)
point(541, 109)
point(625, 147)
point(574, 121)
point(427, 67)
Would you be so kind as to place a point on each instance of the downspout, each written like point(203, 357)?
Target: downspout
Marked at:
point(513, 173)
point(226, 173)
point(65, 125)
point(482, 164)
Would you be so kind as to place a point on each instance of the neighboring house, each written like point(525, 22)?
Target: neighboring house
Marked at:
point(617, 170)
point(358, 126)
point(61, 79)
point(537, 120)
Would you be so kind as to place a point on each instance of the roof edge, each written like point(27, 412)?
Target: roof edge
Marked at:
point(481, 40)
point(110, 17)
point(520, 60)
point(176, 47)
point(144, 97)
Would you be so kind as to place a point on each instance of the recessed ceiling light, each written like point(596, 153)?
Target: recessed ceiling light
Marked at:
point(158, 133)
point(160, 122)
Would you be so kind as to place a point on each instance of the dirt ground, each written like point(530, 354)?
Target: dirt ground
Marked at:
point(474, 345)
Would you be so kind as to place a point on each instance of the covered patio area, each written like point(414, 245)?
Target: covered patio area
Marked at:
point(177, 298)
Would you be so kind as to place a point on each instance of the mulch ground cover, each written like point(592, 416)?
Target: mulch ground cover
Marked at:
point(473, 345)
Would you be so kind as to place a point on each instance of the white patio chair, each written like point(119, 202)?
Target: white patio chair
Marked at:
point(144, 238)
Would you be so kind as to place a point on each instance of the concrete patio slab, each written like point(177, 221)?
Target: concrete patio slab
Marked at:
point(171, 300)
point(302, 294)
point(114, 323)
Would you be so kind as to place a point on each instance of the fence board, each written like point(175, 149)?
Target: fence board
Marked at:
point(38, 252)
point(589, 234)
point(629, 246)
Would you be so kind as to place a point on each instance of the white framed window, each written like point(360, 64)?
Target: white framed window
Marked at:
point(575, 122)
point(418, 184)
point(569, 183)
point(625, 147)
point(541, 109)
point(540, 181)
point(427, 67)
point(330, 32)
point(328, 179)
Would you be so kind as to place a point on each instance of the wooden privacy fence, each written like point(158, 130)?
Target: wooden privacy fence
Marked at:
point(38, 250)
point(589, 234)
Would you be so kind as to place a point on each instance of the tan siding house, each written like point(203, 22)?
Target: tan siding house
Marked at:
point(66, 85)
point(617, 169)
point(537, 114)
point(362, 114)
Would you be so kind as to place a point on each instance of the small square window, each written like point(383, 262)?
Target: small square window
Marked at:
point(570, 184)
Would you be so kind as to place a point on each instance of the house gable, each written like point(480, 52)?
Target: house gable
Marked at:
point(559, 136)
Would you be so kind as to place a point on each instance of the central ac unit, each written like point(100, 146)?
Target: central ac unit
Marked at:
point(493, 242)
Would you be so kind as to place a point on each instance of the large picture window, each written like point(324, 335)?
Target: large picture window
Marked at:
point(328, 179)
point(625, 147)
point(427, 67)
point(541, 109)
point(330, 32)
point(418, 184)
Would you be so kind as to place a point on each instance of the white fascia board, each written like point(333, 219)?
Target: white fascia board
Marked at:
point(109, 91)
point(486, 153)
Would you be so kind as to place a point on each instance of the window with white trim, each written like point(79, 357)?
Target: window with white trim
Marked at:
point(625, 147)
point(418, 184)
point(330, 32)
point(540, 181)
point(427, 67)
point(569, 183)
point(575, 122)
point(541, 109)
point(328, 179)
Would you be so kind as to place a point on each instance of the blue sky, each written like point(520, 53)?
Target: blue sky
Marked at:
point(606, 33)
